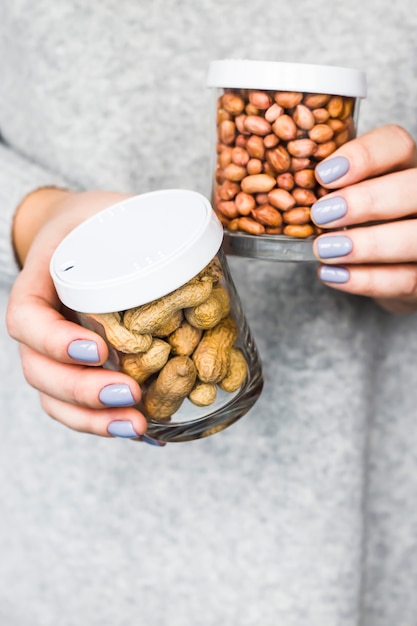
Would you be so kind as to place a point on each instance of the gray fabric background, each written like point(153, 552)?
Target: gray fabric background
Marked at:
point(304, 512)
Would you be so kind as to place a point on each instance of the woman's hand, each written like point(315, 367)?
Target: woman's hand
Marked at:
point(60, 358)
point(372, 249)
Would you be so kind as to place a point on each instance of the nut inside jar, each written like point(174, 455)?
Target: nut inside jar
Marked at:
point(268, 144)
point(181, 346)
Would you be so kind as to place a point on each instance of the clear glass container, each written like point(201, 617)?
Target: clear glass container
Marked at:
point(150, 276)
point(272, 123)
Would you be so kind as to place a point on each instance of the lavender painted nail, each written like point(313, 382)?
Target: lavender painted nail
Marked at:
point(125, 430)
point(84, 350)
point(122, 428)
point(332, 169)
point(333, 246)
point(116, 395)
point(328, 210)
point(332, 274)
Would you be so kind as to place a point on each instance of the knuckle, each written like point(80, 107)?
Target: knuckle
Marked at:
point(370, 240)
point(409, 286)
point(362, 202)
point(364, 155)
point(78, 387)
point(28, 369)
point(369, 284)
point(12, 317)
point(405, 138)
point(47, 405)
point(49, 342)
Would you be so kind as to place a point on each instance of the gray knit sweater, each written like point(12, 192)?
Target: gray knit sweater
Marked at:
point(304, 512)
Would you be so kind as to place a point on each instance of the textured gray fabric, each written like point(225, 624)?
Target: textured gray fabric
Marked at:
point(304, 511)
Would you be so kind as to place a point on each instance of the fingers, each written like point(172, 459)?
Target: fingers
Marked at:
point(376, 177)
point(377, 261)
point(33, 320)
point(81, 385)
point(57, 353)
point(386, 198)
point(84, 398)
point(379, 151)
point(87, 399)
point(394, 287)
point(391, 242)
point(107, 422)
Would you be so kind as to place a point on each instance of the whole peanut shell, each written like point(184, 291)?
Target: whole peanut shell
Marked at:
point(199, 335)
point(212, 355)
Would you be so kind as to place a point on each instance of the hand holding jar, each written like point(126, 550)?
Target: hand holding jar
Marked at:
point(371, 250)
point(59, 358)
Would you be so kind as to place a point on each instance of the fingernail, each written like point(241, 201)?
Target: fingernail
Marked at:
point(84, 350)
point(328, 210)
point(122, 428)
point(116, 395)
point(334, 274)
point(332, 169)
point(333, 246)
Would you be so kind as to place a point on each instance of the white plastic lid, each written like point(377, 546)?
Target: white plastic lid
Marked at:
point(136, 251)
point(271, 75)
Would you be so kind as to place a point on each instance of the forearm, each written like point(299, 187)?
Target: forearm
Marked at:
point(19, 177)
point(31, 215)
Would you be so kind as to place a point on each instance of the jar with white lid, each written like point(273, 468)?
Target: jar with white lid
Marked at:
point(272, 123)
point(150, 276)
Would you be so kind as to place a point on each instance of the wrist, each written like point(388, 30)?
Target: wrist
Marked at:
point(31, 215)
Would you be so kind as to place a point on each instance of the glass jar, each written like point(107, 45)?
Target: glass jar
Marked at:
point(272, 124)
point(150, 276)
